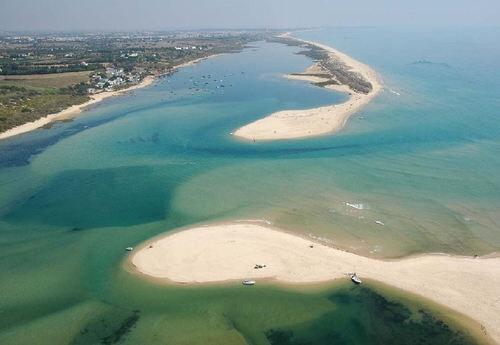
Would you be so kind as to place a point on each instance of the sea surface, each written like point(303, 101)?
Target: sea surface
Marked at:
point(414, 172)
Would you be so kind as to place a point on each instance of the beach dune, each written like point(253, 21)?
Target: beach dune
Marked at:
point(224, 252)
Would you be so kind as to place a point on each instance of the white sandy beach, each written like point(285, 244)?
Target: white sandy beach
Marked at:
point(223, 252)
point(288, 124)
point(195, 61)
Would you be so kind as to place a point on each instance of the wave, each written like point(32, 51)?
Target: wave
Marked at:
point(357, 206)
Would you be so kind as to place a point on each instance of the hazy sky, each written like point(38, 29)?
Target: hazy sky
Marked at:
point(169, 14)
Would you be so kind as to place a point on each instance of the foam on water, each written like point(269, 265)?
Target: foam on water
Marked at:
point(357, 206)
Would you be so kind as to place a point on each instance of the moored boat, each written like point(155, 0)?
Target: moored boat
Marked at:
point(355, 279)
point(248, 282)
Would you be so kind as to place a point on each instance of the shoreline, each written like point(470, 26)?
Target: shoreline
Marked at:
point(294, 124)
point(77, 109)
point(222, 253)
point(73, 110)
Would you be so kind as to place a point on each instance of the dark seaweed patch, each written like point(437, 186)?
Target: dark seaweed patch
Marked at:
point(283, 337)
point(362, 316)
point(112, 197)
point(107, 329)
point(279, 337)
point(122, 330)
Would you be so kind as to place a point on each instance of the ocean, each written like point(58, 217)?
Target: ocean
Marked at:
point(416, 171)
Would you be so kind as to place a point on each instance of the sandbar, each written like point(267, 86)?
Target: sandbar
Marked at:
point(290, 124)
point(227, 252)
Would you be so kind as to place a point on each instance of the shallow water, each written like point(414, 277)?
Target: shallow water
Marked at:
point(423, 163)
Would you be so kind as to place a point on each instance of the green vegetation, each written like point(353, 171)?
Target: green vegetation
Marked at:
point(44, 74)
point(20, 102)
point(56, 80)
point(334, 69)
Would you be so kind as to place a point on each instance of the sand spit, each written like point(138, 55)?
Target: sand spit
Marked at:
point(288, 124)
point(223, 252)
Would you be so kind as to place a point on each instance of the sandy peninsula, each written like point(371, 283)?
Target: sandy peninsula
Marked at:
point(332, 72)
point(223, 252)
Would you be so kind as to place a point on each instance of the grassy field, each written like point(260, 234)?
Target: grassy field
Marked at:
point(45, 75)
point(58, 80)
point(29, 97)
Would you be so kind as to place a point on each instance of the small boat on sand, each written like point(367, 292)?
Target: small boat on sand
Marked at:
point(248, 282)
point(355, 279)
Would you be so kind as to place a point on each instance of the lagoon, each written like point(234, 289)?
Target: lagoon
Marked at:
point(421, 158)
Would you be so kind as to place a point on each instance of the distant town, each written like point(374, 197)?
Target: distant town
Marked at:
point(44, 73)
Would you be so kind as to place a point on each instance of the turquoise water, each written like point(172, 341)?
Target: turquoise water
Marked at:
point(423, 162)
point(433, 149)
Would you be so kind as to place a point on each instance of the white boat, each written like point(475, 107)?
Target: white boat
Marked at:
point(129, 249)
point(355, 279)
point(248, 282)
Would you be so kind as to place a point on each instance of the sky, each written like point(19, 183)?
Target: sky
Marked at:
point(123, 15)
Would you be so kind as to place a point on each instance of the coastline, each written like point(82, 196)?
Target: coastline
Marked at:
point(229, 251)
point(76, 109)
point(73, 110)
point(290, 124)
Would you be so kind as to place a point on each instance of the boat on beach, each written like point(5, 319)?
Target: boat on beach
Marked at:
point(355, 279)
point(248, 282)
